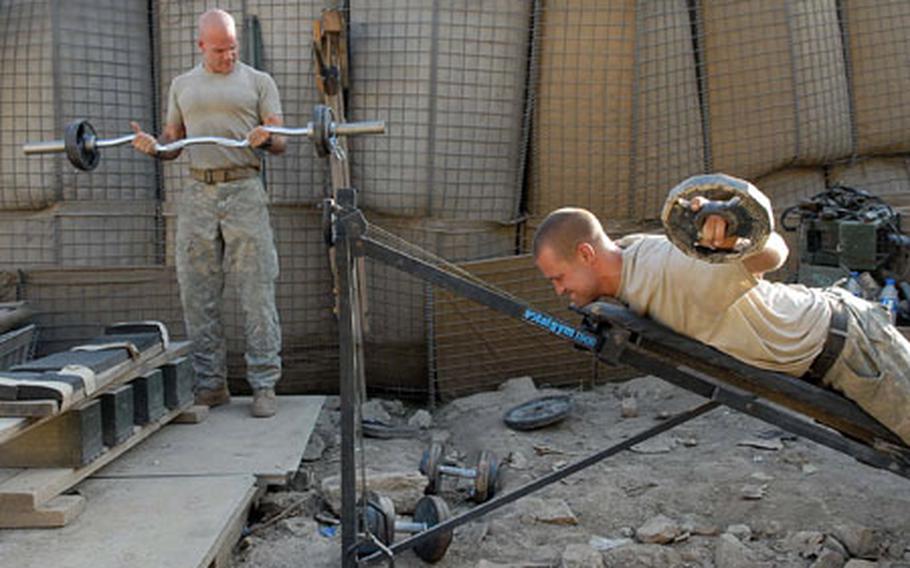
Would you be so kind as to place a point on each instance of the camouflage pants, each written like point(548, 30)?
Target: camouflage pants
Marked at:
point(224, 228)
point(873, 369)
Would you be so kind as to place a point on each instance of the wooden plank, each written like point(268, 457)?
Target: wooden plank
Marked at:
point(222, 551)
point(141, 523)
point(192, 415)
point(28, 489)
point(111, 379)
point(229, 442)
point(72, 439)
point(57, 512)
point(28, 408)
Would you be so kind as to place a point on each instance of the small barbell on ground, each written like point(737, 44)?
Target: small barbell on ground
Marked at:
point(485, 473)
point(82, 146)
point(383, 523)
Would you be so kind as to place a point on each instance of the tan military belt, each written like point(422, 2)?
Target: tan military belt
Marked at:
point(222, 175)
point(834, 344)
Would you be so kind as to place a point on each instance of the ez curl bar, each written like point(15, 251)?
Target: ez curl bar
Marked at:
point(83, 147)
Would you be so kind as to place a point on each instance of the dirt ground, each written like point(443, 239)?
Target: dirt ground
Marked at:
point(723, 490)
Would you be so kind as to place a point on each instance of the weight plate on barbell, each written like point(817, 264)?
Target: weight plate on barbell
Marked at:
point(380, 519)
point(432, 510)
point(429, 465)
point(322, 126)
point(79, 139)
point(486, 476)
point(538, 412)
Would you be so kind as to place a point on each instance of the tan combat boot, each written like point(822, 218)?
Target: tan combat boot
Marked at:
point(213, 397)
point(265, 403)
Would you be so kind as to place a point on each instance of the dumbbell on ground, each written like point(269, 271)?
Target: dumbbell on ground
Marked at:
point(383, 523)
point(485, 473)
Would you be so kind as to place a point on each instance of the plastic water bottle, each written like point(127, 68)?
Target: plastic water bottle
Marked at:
point(889, 299)
point(853, 286)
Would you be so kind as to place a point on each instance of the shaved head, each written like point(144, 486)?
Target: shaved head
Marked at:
point(218, 41)
point(564, 229)
point(216, 20)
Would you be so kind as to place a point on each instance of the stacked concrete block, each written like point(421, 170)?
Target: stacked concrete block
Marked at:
point(776, 85)
point(878, 35)
point(449, 79)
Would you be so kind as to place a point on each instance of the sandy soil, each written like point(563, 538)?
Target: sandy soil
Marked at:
point(723, 490)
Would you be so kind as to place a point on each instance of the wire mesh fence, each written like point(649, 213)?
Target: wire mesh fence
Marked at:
point(497, 112)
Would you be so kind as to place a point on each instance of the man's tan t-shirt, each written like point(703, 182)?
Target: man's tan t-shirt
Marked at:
point(781, 327)
point(227, 105)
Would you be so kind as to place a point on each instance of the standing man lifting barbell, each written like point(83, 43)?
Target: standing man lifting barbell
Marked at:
point(222, 219)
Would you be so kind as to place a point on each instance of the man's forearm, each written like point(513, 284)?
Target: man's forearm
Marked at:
point(770, 258)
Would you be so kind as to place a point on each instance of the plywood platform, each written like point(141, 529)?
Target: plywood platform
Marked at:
point(228, 441)
point(180, 498)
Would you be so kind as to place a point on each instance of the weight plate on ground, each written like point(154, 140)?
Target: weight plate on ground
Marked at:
point(432, 510)
point(79, 140)
point(380, 519)
point(429, 465)
point(539, 412)
point(487, 474)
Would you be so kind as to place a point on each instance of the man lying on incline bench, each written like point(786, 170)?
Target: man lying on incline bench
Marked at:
point(824, 335)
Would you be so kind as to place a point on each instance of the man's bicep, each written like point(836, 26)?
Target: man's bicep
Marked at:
point(173, 131)
point(269, 101)
point(273, 120)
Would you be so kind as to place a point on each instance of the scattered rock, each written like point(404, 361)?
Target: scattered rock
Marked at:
point(403, 488)
point(857, 563)
point(773, 444)
point(861, 542)
point(394, 407)
point(421, 419)
point(549, 511)
point(314, 448)
point(519, 389)
point(807, 544)
point(752, 492)
point(629, 407)
point(517, 460)
point(740, 531)
point(761, 476)
point(832, 543)
point(603, 543)
point(374, 411)
point(642, 556)
point(658, 530)
point(731, 553)
point(658, 445)
point(581, 556)
point(808, 469)
point(829, 559)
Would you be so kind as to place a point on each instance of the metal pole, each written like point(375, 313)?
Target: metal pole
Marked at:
point(348, 345)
